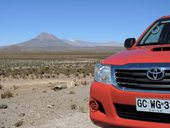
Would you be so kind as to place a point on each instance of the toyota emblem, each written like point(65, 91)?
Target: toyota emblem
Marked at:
point(156, 74)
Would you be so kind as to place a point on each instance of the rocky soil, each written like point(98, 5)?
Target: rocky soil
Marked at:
point(45, 103)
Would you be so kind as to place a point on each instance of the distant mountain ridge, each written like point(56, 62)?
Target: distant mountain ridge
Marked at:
point(46, 42)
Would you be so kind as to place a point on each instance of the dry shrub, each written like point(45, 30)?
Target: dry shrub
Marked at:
point(84, 83)
point(1, 87)
point(7, 94)
point(15, 87)
point(19, 123)
point(72, 92)
point(73, 106)
point(3, 106)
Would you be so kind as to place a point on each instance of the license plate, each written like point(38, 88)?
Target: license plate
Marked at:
point(153, 105)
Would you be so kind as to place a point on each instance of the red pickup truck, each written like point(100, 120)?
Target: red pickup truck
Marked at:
point(132, 88)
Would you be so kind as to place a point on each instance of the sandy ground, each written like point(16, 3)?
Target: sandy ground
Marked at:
point(36, 105)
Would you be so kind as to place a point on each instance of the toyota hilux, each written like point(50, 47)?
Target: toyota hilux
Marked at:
point(131, 89)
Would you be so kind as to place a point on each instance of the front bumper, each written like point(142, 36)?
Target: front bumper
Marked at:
point(108, 95)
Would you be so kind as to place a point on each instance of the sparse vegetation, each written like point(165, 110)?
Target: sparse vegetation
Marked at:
point(75, 69)
point(72, 92)
point(15, 87)
point(44, 91)
point(19, 123)
point(84, 83)
point(73, 106)
point(76, 84)
point(45, 69)
point(57, 88)
point(7, 94)
point(1, 87)
point(3, 106)
point(49, 65)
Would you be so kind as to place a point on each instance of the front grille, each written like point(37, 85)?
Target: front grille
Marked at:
point(129, 112)
point(137, 78)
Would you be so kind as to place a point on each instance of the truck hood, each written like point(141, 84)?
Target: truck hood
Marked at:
point(140, 55)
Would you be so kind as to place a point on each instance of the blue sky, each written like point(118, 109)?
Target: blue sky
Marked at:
point(91, 20)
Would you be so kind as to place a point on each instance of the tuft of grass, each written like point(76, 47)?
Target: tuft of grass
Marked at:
point(15, 87)
point(44, 91)
point(3, 106)
point(1, 87)
point(7, 94)
point(84, 82)
point(73, 106)
point(76, 84)
point(72, 92)
point(19, 123)
point(57, 88)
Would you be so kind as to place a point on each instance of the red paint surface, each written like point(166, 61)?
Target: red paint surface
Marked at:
point(108, 94)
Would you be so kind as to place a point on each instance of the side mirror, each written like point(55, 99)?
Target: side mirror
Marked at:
point(129, 42)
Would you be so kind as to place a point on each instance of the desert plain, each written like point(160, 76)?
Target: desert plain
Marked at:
point(47, 90)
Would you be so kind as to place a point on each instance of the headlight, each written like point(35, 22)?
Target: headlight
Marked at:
point(102, 73)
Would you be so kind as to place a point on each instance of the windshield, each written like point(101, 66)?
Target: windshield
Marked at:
point(159, 33)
